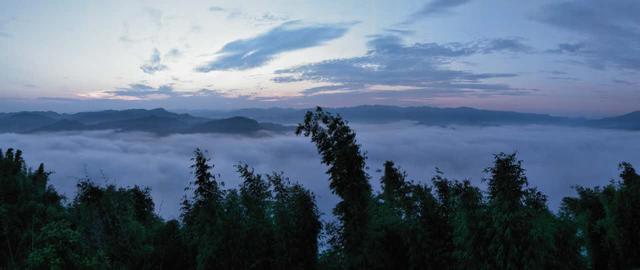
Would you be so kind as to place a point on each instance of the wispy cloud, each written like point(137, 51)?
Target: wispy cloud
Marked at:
point(391, 65)
point(269, 18)
point(173, 53)
point(142, 91)
point(611, 31)
point(216, 9)
point(435, 7)
point(265, 18)
point(253, 52)
point(623, 82)
point(154, 64)
point(568, 48)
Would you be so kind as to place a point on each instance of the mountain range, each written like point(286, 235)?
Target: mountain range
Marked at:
point(278, 120)
point(431, 116)
point(158, 121)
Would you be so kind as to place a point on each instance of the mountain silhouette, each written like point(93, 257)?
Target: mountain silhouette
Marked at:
point(157, 121)
point(257, 121)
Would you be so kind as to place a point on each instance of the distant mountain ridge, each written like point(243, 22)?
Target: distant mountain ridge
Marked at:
point(158, 121)
point(431, 116)
point(256, 121)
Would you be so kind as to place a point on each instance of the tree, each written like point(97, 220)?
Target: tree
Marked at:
point(336, 142)
point(116, 223)
point(27, 204)
point(259, 237)
point(202, 215)
point(609, 218)
point(509, 227)
point(389, 228)
point(61, 247)
point(297, 224)
point(627, 216)
point(523, 231)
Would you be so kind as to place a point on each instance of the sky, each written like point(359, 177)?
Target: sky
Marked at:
point(573, 58)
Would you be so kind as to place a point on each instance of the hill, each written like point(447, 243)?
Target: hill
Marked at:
point(431, 116)
point(157, 121)
point(254, 121)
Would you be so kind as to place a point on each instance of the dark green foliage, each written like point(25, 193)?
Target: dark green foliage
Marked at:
point(608, 220)
point(267, 222)
point(389, 231)
point(256, 203)
point(58, 246)
point(202, 215)
point(509, 224)
point(469, 220)
point(520, 223)
point(170, 250)
point(117, 224)
point(336, 142)
point(297, 225)
point(27, 204)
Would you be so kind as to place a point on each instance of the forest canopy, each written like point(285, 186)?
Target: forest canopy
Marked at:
point(272, 222)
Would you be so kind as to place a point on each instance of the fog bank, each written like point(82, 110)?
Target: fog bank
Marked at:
point(556, 158)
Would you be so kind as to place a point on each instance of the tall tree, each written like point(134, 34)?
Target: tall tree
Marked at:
point(509, 226)
point(116, 224)
point(27, 205)
point(336, 142)
point(297, 224)
point(389, 229)
point(256, 200)
point(202, 214)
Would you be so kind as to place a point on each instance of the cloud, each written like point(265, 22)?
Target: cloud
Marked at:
point(558, 72)
point(265, 18)
point(555, 158)
point(514, 45)
point(269, 18)
point(609, 33)
point(173, 53)
point(154, 64)
point(623, 82)
point(201, 99)
point(420, 66)
point(253, 52)
point(141, 91)
point(216, 9)
point(563, 78)
point(435, 7)
point(568, 48)
point(400, 32)
point(141, 95)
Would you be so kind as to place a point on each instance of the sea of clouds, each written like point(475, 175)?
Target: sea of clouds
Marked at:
point(555, 158)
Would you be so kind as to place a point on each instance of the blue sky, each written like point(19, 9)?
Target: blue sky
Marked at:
point(571, 57)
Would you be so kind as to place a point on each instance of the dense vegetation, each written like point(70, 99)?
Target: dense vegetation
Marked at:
point(268, 222)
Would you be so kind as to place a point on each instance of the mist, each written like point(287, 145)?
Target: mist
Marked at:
point(555, 158)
